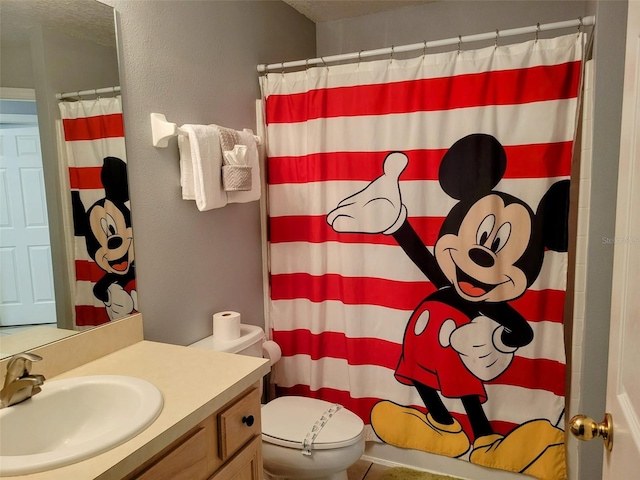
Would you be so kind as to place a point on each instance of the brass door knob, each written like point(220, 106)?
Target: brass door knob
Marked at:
point(585, 428)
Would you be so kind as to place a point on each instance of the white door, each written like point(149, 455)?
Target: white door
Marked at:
point(26, 277)
point(623, 384)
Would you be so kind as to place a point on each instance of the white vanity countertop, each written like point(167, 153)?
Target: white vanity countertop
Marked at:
point(194, 383)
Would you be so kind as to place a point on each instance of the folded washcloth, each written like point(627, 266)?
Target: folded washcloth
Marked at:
point(200, 166)
point(252, 159)
point(229, 138)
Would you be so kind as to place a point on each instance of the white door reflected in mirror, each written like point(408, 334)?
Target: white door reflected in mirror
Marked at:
point(27, 295)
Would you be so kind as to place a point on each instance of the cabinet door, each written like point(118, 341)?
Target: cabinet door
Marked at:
point(187, 458)
point(246, 465)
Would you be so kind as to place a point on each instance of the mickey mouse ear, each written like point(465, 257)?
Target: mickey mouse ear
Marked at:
point(472, 166)
point(553, 216)
point(115, 180)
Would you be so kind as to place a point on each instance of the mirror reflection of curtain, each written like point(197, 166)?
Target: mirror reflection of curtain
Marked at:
point(103, 260)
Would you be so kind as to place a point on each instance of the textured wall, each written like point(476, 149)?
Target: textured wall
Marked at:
point(195, 61)
point(16, 70)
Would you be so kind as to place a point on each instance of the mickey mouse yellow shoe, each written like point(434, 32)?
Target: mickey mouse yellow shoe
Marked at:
point(535, 448)
point(410, 428)
point(550, 465)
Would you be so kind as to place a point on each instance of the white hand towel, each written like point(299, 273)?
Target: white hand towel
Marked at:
point(186, 168)
point(253, 160)
point(201, 151)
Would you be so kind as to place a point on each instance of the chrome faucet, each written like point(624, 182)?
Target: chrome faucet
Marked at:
point(20, 384)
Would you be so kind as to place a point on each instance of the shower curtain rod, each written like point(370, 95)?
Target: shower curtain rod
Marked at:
point(97, 91)
point(579, 22)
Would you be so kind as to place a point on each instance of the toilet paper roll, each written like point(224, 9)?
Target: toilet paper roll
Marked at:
point(226, 326)
point(272, 351)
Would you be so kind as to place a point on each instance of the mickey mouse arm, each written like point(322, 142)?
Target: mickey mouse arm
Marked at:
point(517, 331)
point(101, 288)
point(413, 246)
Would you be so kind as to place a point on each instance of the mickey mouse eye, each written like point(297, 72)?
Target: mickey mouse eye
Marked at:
point(501, 237)
point(108, 225)
point(485, 229)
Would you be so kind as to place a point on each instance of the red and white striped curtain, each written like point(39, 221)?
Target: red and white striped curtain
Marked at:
point(94, 147)
point(370, 162)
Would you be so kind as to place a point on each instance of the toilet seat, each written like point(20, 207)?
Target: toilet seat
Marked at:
point(288, 421)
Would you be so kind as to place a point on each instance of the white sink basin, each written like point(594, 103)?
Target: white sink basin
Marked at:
point(74, 419)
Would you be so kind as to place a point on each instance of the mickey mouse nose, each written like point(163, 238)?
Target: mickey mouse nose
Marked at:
point(481, 257)
point(114, 242)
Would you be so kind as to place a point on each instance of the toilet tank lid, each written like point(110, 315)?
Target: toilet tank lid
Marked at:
point(249, 335)
point(287, 421)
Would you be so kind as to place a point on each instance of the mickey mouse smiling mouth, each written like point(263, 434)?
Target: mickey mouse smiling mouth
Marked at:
point(117, 260)
point(456, 267)
point(120, 265)
point(471, 286)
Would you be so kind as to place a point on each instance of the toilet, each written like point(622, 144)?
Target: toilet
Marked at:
point(302, 438)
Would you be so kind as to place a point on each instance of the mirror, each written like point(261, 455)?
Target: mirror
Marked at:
point(48, 47)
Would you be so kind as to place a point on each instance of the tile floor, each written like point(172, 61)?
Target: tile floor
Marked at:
point(364, 470)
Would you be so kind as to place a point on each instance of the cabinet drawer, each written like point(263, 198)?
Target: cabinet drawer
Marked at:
point(238, 424)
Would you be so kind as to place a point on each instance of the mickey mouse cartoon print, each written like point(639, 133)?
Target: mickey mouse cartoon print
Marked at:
point(489, 251)
point(106, 226)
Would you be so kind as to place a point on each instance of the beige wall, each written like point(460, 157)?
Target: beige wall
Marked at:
point(195, 62)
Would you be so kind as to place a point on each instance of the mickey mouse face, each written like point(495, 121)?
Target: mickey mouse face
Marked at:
point(115, 238)
point(480, 259)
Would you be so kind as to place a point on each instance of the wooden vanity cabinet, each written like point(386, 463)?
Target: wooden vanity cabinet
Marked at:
point(225, 446)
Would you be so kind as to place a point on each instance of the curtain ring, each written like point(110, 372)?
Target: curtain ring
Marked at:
point(359, 58)
point(324, 63)
point(495, 45)
point(266, 69)
point(391, 58)
point(537, 30)
point(424, 49)
point(459, 43)
point(282, 66)
point(580, 25)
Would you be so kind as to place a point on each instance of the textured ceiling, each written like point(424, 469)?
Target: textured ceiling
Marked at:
point(327, 10)
point(86, 19)
point(92, 20)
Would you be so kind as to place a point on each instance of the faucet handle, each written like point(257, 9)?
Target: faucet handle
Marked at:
point(20, 365)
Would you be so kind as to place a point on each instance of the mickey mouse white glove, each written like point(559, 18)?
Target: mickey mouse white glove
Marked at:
point(480, 346)
point(378, 207)
point(120, 303)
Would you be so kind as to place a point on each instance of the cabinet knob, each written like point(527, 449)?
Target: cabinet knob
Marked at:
point(248, 420)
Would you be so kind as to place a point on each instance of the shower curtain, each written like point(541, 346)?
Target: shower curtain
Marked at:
point(103, 258)
point(417, 238)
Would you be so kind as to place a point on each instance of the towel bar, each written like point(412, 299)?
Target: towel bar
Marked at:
point(162, 130)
